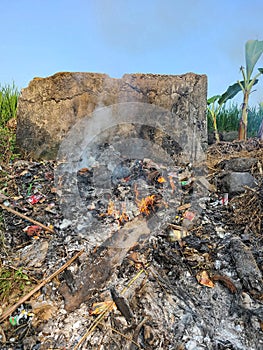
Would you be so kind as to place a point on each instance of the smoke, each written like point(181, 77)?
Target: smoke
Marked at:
point(142, 25)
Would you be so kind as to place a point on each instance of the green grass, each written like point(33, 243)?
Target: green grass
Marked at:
point(12, 281)
point(8, 102)
point(229, 116)
point(255, 116)
point(9, 94)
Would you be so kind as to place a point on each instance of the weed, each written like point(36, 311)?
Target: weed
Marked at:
point(255, 116)
point(12, 281)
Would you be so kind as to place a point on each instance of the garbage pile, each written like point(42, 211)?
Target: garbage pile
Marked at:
point(180, 267)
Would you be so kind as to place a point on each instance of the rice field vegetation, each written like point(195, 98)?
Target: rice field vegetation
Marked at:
point(9, 94)
point(229, 116)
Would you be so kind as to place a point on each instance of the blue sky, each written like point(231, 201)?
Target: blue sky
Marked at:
point(42, 37)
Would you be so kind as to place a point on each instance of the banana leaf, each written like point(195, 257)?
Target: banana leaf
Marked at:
point(232, 91)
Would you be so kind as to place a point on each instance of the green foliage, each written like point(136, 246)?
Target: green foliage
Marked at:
point(233, 90)
point(8, 107)
point(7, 145)
point(8, 103)
point(12, 281)
point(254, 50)
point(229, 116)
point(215, 108)
point(255, 116)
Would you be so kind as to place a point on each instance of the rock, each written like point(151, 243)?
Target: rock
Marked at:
point(65, 224)
point(49, 107)
point(246, 266)
point(33, 255)
point(229, 136)
point(237, 164)
point(234, 182)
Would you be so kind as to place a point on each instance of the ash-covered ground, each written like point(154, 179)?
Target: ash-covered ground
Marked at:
point(175, 261)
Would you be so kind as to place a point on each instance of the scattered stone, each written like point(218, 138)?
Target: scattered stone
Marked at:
point(65, 224)
point(246, 266)
point(229, 136)
point(223, 136)
point(234, 182)
point(241, 164)
point(33, 255)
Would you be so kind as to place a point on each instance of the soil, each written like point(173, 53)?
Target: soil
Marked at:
point(192, 282)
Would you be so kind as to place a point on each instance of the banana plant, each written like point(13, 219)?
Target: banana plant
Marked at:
point(253, 51)
point(213, 108)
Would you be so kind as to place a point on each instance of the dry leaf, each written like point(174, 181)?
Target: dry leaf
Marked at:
point(33, 230)
point(99, 308)
point(203, 278)
point(43, 311)
point(226, 282)
point(184, 206)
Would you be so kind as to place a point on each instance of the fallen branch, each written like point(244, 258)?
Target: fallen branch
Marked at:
point(9, 311)
point(26, 218)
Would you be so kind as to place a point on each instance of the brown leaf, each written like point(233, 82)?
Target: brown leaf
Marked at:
point(43, 311)
point(184, 206)
point(33, 230)
point(203, 278)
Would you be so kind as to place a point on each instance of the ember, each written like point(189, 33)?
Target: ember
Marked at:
point(121, 217)
point(147, 204)
point(112, 211)
point(161, 180)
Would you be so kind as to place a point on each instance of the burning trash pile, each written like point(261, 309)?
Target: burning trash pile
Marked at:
point(142, 252)
point(194, 279)
point(140, 187)
point(126, 161)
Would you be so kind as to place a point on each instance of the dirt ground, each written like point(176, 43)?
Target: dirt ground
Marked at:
point(193, 282)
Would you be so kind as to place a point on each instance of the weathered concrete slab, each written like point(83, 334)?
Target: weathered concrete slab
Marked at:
point(49, 107)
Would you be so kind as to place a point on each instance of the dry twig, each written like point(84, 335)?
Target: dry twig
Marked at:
point(9, 311)
point(27, 218)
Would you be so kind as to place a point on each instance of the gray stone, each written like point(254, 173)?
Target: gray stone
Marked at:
point(49, 107)
point(234, 182)
point(246, 265)
point(241, 164)
point(229, 136)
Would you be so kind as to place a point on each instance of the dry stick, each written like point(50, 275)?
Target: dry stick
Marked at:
point(26, 218)
point(108, 308)
point(94, 325)
point(45, 281)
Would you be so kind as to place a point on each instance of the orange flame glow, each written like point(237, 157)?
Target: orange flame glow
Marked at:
point(116, 214)
point(146, 204)
point(161, 179)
